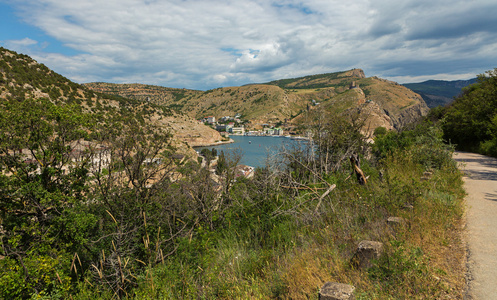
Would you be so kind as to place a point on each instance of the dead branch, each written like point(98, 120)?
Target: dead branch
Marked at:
point(332, 187)
point(361, 178)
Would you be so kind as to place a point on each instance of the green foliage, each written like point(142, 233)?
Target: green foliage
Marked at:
point(222, 164)
point(48, 277)
point(40, 195)
point(489, 146)
point(261, 99)
point(380, 131)
point(177, 107)
point(400, 265)
point(63, 198)
point(336, 139)
point(179, 95)
point(425, 141)
point(208, 154)
point(468, 122)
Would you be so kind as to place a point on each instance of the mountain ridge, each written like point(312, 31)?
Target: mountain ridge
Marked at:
point(282, 101)
point(439, 92)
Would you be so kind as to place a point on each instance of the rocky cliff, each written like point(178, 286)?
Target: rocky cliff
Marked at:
point(400, 104)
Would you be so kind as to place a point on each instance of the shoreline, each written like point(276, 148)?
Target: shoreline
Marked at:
point(214, 144)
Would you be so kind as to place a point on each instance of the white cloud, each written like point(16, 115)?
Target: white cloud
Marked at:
point(22, 44)
point(202, 44)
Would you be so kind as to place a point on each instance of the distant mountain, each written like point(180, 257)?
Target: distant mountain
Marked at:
point(439, 92)
point(381, 102)
point(21, 77)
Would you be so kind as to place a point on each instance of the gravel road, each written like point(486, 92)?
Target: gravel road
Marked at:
point(480, 182)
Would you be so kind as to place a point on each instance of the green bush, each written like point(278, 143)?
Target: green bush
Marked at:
point(469, 122)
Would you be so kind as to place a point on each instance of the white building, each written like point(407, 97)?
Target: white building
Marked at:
point(237, 130)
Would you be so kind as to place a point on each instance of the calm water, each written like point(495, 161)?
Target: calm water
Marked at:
point(255, 148)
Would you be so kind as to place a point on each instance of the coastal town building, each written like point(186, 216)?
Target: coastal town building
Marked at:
point(237, 130)
point(209, 119)
point(273, 131)
point(224, 127)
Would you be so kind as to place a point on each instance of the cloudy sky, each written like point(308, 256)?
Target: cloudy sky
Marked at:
point(203, 44)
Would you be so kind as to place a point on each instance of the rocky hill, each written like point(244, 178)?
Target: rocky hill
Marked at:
point(21, 78)
point(257, 103)
point(380, 102)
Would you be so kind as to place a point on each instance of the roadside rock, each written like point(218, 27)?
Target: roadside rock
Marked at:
point(336, 291)
point(366, 252)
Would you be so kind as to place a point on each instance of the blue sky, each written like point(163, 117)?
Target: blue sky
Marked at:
point(203, 44)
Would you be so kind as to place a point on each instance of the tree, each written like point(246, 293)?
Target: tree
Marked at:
point(41, 188)
point(468, 121)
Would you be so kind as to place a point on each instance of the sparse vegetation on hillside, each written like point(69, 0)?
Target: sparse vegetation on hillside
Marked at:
point(319, 81)
point(282, 100)
point(146, 93)
point(24, 78)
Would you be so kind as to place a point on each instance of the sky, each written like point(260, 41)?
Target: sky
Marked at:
point(205, 44)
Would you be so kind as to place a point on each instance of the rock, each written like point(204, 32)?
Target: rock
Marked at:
point(366, 252)
point(426, 175)
point(395, 224)
point(396, 221)
point(336, 291)
point(410, 115)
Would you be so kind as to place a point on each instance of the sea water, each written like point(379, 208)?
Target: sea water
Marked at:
point(255, 150)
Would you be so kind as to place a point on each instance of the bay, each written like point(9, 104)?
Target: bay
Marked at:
point(254, 149)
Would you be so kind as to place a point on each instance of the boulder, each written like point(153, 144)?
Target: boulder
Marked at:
point(336, 291)
point(366, 252)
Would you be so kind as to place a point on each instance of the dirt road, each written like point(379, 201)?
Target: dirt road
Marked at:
point(481, 231)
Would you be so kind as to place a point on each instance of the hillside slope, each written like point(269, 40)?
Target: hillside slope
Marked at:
point(258, 103)
point(383, 103)
point(21, 78)
point(439, 92)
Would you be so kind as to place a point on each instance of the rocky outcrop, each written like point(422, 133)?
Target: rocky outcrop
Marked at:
point(374, 117)
point(408, 115)
point(401, 105)
point(359, 73)
point(191, 131)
